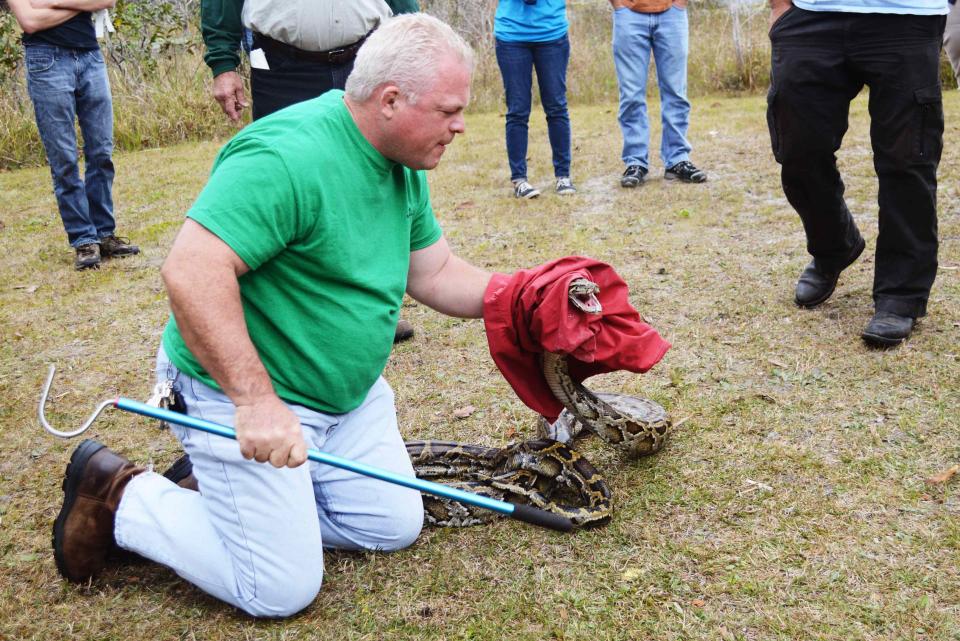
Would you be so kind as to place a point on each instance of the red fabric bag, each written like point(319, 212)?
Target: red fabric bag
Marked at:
point(530, 312)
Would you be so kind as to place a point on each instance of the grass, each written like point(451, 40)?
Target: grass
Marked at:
point(790, 504)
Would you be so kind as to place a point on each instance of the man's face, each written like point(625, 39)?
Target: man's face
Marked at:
point(421, 131)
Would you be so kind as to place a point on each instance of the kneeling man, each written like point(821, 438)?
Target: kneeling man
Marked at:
point(285, 283)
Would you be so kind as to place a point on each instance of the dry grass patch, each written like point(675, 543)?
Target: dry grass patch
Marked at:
point(790, 504)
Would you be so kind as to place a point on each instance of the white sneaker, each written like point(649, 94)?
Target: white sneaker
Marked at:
point(565, 186)
point(523, 189)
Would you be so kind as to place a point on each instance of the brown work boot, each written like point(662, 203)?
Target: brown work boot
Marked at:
point(83, 531)
point(181, 473)
point(88, 257)
point(404, 331)
point(111, 246)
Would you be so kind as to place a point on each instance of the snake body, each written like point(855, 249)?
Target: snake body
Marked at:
point(637, 425)
point(546, 473)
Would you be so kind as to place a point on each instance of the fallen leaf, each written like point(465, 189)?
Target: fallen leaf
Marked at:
point(944, 476)
point(464, 412)
point(511, 432)
point(698, 603)
point(631, 573)
point(467, 204)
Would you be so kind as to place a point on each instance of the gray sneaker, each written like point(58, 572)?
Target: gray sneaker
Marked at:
point(88, 257)
point(111, 246)
point(523, 189)
point(565, 186)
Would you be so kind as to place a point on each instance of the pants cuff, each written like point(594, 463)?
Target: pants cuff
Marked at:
point(901, 307)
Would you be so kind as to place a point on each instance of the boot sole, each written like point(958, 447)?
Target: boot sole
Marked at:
point(71, 480)
point(883, 342)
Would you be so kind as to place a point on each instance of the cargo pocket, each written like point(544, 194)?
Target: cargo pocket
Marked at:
point(928, 141)
point(773, 123)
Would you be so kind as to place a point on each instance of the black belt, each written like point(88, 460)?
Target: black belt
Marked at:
point(340, 55)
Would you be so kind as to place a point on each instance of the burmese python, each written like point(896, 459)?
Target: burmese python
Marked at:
point(547, 472)
point(637, 425)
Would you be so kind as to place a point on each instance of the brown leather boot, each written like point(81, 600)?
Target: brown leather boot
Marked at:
point(181, 473)
point(403, 332)
point(92, 487)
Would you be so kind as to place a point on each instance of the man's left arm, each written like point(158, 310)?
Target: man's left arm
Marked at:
point(76, 5)
point(445, 282)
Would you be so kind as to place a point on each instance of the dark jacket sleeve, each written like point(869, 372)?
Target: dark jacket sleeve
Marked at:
point(222, 32)
point(403, 6)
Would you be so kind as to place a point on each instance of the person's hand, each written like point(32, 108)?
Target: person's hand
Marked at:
point(778, 8)
point(228, 90)
point(268, 430)
point(680, 4)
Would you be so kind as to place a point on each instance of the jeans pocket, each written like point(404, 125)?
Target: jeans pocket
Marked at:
point(39, 61)
point(928, 141)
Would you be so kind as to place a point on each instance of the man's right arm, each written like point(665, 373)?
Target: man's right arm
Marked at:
point(33, 20)
point(201, 276)
point(222, 29)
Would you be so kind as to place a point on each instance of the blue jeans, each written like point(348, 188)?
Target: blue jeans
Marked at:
point(66, 85)
point(635, 37)
point(517, 61)
point(254, 535)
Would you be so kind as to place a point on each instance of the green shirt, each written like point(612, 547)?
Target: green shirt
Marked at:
point(326, 224)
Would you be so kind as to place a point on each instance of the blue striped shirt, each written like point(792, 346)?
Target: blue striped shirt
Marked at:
point(906, 7)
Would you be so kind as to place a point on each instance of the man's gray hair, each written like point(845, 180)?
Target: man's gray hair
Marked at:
point(406, 51)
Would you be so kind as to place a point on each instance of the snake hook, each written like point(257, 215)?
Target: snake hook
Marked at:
point(45, 392)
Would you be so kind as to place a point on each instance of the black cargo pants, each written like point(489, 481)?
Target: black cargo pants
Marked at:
point(820, 62)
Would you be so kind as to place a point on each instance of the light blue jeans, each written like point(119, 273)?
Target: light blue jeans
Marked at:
point(68, 86)
point(635, 37)
point(254, 535)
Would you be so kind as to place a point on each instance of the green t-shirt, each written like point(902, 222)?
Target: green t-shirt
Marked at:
point(326, 224)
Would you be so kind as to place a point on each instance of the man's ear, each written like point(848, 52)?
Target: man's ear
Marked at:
point(389, 100)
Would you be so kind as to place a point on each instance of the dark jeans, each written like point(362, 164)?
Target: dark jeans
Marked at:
point(291, 80)
point(517, 61)
point(68, 86)
point(820, 62)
